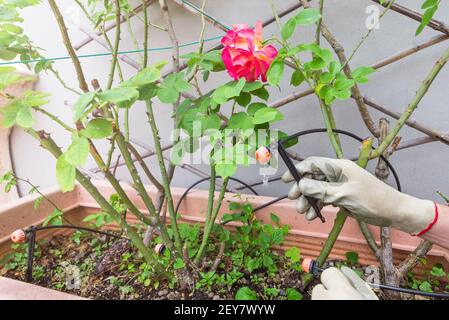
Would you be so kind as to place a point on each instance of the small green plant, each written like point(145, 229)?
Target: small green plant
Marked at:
point(293, 294)
point(207, 280)
point(432, 282)
point(352, 258)
point(294, 256)
point(245, 293)
point(271, 293)
point(254, 240)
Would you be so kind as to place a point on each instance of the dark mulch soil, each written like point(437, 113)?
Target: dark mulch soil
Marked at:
point(109, 269)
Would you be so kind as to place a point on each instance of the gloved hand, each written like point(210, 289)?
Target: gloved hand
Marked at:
point(343, 183)
point(342, 284)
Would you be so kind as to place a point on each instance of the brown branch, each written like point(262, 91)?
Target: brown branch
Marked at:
point(412, 14)
point(387, 267)
point(415, 257)
point(111, 25)
point(219, 257)
point(68, 45)
point(213, 22)
point(440, 136)
point(408, 52)
point(171, 33)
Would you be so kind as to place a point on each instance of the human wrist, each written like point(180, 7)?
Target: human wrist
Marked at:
point(414, 216)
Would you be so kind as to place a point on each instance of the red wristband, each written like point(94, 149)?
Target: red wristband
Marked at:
point(431, 224)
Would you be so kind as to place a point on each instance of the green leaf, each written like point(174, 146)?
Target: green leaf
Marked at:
point(38, 202)
point(167, 94)
point(352, 257)
point(245, 293)
point(267, 115)
point(122, 97)
point(308, 16)
point(293, 294)
point(81, 105)
point(360, 74)
point(12, 28)
point(243, 99)
point(65, 174)
point(98, 129)
point(288, 29)
point(179, 264)
point(211, 122)
point(261, 93)
point(25, 117)
point(146, 76)
point(297, 78)
point(225, 170)
point(77, 153)
point(427, 16)
point(294, 254)
point(54, 219)
point(254, 107)
point(233, 206)
point(438, 272)
point(241, 121)
point(35, 98)
point(425, 286)
point(252, 86)
point(228, 91)
point(326, 77)
point(275, 72)
point(275, 218)
point(9, 113)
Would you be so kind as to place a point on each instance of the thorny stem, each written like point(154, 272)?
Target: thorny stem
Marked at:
point(213, 218)
point(62, 82)
point(165, 176)
point(210, 202)
point(318, 26)
point(413, 105)
point(138, 185)
point(116, 44)
point(66, 40)
point(55, 119)
point(145, 35)
point(35, 188)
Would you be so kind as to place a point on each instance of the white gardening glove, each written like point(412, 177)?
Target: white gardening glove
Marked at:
point(344, 184)
point(342, 284)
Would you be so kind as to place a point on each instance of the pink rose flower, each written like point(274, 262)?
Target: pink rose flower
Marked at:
point(244, 55)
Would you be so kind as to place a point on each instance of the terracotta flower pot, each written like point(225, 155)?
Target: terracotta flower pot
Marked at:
point(307, 236)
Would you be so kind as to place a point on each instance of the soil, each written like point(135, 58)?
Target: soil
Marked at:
point(103, 274)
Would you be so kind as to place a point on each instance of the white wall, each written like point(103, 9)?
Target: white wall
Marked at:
point(422, 170)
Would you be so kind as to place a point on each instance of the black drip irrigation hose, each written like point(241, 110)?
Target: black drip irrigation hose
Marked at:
point(184, 195)
point(31, 235)
point(410, 291)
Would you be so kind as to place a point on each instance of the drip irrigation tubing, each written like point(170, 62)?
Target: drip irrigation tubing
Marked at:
point(31, 232)
point(184, 195)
